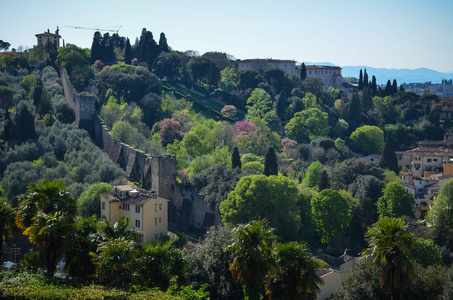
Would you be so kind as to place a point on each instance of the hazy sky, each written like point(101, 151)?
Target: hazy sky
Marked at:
point(379, 33)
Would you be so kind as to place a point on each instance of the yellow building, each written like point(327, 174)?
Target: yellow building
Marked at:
point(147, 212)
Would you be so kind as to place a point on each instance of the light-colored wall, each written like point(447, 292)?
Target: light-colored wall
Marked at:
point(286, 66)
point(150, 214)
point(155, 208)
point(332, 282)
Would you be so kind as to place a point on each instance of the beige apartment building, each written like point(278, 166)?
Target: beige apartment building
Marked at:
point(147, 212)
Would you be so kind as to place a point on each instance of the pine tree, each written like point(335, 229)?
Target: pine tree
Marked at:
point(323, 181)
point(303, 72)
point(374, 90)
point(270, 163)
point(128, 53)
point(360, 80)
point(236, 159)
point(163, 43)
point(389, 160)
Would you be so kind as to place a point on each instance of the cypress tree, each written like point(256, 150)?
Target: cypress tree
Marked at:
point(388, 89)
point(45, 106)
point(374, 91)
point(142, 45)
point(163, 43)
point(270, 163)
point(303, 72)
point(7, 127)
point(323, 181)
point(107, 48)
point(367, 101)
point(128, 53)
point(360, 80)
point(402, 88)
point(37, 92)
point(24, 124)
point(96, 51)
point(389, 160)
point(354, 109)
point(394, 87)
point(365, 79)
point(236, 159)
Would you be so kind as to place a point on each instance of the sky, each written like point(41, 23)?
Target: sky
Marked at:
point(390, 34)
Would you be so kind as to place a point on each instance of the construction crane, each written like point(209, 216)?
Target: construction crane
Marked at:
point(97, 29)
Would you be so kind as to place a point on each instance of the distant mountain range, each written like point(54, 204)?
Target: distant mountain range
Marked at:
point(401, 75)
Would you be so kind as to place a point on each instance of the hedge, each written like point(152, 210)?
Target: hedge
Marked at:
point(15, 285)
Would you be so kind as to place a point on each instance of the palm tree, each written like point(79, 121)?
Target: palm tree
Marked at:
point(295, 274)
point(252, 255)
point(80, 244)
point(46, 214)
point(6, 223)
point(119, 229)
point(116, 262)
point(389, 244)
point(160, 262)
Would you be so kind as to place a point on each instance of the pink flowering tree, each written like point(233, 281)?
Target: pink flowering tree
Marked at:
point(170, 130)
point(247, 136)
point(289, 146)
point(229, 111)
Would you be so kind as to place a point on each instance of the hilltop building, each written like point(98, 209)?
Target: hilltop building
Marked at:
point(330, 75)
point(48, 37)
point(288, 66)
point(147, 211)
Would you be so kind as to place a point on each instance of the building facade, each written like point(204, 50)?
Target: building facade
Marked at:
point(147, 212)
point(288, 66)
point(48, 37)
point(330, 75)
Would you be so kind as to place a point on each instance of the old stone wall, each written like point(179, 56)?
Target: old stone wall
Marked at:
point(152, 172)
point(157, 173)
point(82, 103)
point(68, 88)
